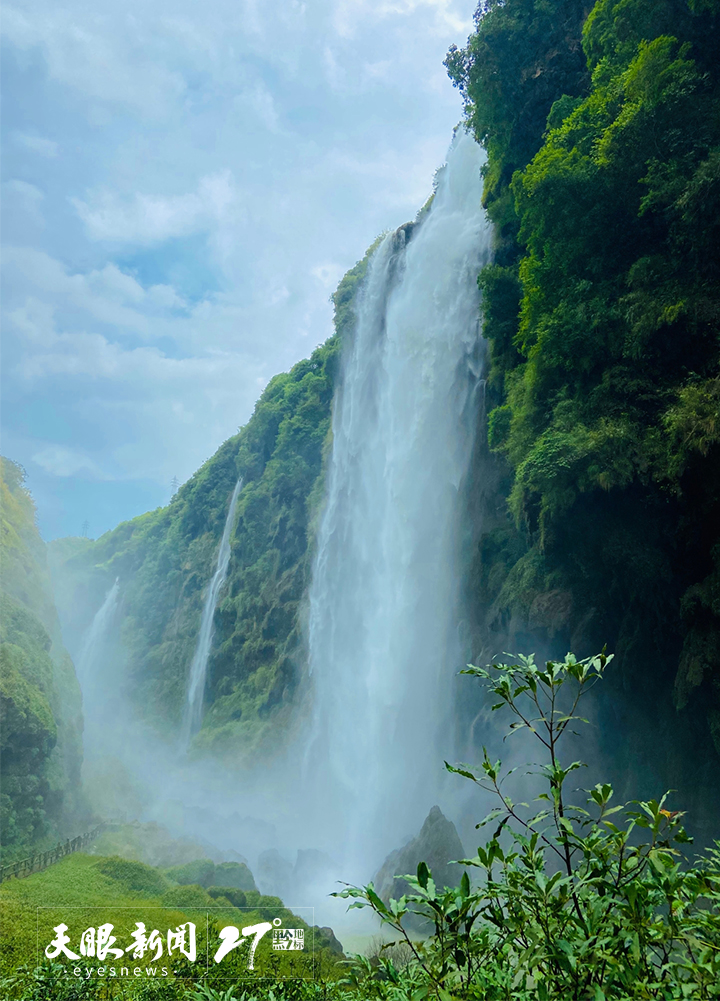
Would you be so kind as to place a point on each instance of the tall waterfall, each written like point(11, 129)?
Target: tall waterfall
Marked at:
point(198, 668)
point(384, 596)
point(96, 670)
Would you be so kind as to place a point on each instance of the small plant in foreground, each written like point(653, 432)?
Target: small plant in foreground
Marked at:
point(569, 902)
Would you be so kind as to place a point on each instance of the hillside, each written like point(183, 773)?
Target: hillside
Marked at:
point(41, 721)
point(602, 126)
point(86, 891)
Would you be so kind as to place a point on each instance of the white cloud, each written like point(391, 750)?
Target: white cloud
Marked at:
point(98, 55)
point(394, 180)
point(45, 147)
point(23, 200)
point(260, 101)
point(61, 461)
point(328, 275)
point(351, 14)
point(42, 286)
point(151, 219)
point(189, 184)
point(34, 321)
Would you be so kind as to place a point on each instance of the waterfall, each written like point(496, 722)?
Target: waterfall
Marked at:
point(93, 672)
point(384, 596)
point(95, 638)
point(198, 668)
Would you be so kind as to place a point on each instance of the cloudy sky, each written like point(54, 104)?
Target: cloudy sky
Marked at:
point(184, 183)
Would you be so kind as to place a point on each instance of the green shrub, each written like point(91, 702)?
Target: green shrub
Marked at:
point(184, 897)
point(135, 876)
point(230, 893)
point(234, 874)
point(572, 902)
point(200, 871)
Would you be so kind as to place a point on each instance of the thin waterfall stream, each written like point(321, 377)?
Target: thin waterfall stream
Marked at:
point(384, 598)
point(96, 636)
point(198, 668)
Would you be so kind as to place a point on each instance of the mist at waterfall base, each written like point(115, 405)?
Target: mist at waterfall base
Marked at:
point(384, 601)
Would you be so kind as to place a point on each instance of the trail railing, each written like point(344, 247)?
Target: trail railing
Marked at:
point(41, 860)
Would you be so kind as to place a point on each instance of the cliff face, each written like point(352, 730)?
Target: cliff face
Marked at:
point(602, 309)
point(41, 723)
point(165, 559)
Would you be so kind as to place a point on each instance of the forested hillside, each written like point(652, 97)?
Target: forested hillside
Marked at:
point(601, 308)
point(164, 560)
point(41, 717)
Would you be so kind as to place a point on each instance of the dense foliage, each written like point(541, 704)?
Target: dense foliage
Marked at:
point(165, 559)
point(567, 902)
point(40, 714)
point(602, 305)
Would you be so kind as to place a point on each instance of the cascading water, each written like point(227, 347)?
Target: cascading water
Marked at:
point(94, 670)
point(198, 668)
point(384, 596)
point(95, 638)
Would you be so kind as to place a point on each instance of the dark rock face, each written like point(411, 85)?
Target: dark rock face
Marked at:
point(552, 611)
point(326, 939)
point(437, 844)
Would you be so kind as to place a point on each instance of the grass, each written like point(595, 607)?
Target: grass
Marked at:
point(86, 891)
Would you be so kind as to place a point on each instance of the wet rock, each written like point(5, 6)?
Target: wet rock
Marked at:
point(551, 611)
point(325, 939)
point(437, 844)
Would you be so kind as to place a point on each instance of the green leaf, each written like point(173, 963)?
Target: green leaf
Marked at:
point(460, 771)
point(423, 874)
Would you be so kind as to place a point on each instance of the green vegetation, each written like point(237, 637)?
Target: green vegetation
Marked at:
point(601, 309)
point(164, 560)
point(207, 873)
point(147, 842)
point(602, 126)
point(84, 891)
point(40, 713)
point(567, 902)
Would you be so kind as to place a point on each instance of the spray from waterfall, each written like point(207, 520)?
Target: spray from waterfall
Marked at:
point(198, 668)
point(384, 597)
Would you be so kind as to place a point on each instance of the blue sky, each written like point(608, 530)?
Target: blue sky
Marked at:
point(184, 184)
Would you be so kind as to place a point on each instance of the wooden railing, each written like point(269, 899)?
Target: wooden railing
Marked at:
point(41, 860)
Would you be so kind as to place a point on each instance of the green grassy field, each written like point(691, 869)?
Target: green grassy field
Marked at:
point(87, 892)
